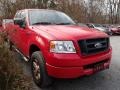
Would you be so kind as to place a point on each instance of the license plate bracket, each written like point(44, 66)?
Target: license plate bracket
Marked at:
point(98, 67)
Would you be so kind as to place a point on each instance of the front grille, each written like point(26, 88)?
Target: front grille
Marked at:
point(93, 46)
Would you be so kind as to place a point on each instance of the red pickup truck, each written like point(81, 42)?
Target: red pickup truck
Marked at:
point(56, 46)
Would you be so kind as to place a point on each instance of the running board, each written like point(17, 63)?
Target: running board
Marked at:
point(26, 59)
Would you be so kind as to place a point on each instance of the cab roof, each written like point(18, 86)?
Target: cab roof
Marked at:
point(38, 9)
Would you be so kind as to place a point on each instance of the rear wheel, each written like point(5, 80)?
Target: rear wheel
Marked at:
point(39, 73)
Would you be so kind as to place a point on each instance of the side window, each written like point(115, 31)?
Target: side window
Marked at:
point(18, 15)
point(23, 14)
point(19, 19)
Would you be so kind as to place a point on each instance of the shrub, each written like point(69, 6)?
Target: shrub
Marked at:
point(11, 74)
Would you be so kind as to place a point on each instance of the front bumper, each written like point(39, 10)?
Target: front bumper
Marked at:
point(69, 70)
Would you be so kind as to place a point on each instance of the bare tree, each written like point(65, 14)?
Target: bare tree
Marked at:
point(96, 11)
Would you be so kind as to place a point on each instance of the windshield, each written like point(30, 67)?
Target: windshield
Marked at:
point(49, 17)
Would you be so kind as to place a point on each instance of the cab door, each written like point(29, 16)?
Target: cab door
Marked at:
point(22, 35)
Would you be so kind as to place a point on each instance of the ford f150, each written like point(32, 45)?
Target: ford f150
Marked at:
point(56, 46)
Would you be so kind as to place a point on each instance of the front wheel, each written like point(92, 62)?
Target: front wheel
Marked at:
point(38, 69)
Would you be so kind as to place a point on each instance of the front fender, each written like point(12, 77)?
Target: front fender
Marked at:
point(40, 42)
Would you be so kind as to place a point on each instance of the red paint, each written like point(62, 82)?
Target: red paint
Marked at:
point(59, 65)
point(115, 30)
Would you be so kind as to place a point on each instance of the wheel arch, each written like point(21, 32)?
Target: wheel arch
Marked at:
point(33, 48)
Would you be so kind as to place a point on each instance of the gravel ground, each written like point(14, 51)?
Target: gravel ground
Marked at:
point(104, 80)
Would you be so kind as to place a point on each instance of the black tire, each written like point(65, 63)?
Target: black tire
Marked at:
point(44, 79)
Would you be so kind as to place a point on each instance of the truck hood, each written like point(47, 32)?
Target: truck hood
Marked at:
point(69, 32)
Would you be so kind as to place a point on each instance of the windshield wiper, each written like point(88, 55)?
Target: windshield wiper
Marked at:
point(43, 23)
point(63, 23)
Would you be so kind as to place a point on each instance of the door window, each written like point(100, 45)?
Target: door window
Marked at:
point(18, 15)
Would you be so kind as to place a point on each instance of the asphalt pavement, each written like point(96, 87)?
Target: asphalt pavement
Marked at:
point(105, 80)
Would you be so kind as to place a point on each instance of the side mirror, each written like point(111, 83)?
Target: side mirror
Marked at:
point(20, 22)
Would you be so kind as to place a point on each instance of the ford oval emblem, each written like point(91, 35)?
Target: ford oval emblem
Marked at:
point(98, 45)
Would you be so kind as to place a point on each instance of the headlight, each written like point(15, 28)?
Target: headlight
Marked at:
point(62, 47)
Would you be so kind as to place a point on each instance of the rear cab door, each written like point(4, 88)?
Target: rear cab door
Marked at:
point(11, 29)
point(13, 32)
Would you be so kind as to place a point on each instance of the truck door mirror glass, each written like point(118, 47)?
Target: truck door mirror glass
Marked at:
point(20, 22)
